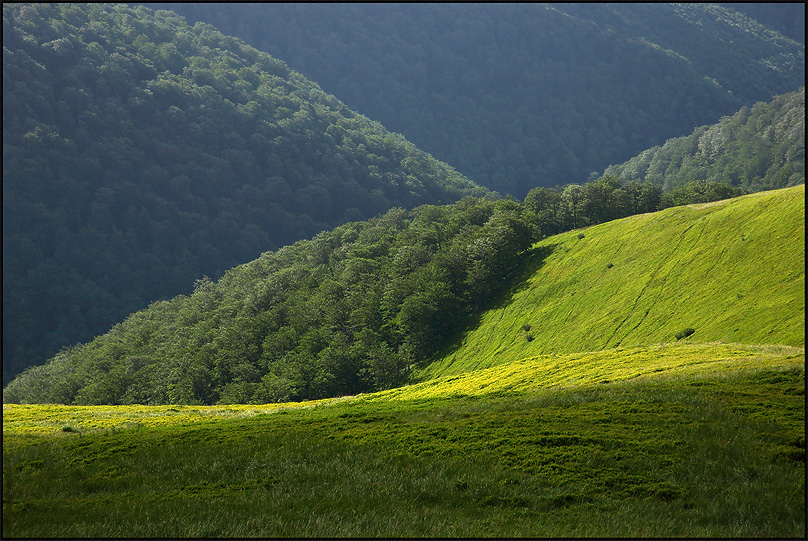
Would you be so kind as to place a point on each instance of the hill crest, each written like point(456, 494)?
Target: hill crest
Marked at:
point(732, 270)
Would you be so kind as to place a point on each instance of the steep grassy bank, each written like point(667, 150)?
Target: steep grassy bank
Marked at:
point(733, 271)
point(690, 451)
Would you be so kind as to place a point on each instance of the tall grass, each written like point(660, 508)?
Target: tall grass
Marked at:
point(668, 456)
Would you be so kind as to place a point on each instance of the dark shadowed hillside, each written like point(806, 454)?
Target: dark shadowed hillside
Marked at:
point(141, 153)
point(520, 95)
point(757, 148)
point(788, 18)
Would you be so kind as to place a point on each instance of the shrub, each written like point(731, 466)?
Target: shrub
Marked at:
point(526, 327)
point(529, 337)
point(684, 333)
point(580, 235)
point(610, 265)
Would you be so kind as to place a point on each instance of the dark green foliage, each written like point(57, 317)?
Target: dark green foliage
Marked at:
point(684, 333)
point(757, 148)
point(518, 95)
point(141, 153)
point(349, 311)
point(574, 205)
point(700, 191)
point(609, 265)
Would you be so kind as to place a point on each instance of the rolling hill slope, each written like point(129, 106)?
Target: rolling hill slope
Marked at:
point(732, 270)
point(710, 441)
point(681, 439)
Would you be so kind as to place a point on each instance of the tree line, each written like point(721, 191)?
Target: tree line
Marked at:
point(352, 310)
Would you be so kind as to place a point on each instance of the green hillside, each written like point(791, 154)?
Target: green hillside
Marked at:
point(688, 438)
point(757, 148)
point(348, 311)
point(517, 95)
point(404, 353)
point(360, 307)
point(732, 270)
point(142, 153)
point(645, 364)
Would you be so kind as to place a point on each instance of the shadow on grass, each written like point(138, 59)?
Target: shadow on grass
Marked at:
point(531, 261)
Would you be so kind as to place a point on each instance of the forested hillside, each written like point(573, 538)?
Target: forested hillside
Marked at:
point(345, 312)
point(358, 308)
point(141, 153)
point(788, 18)
point(757, 148)
point(520, 95)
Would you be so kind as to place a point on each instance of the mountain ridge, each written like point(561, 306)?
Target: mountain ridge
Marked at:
point(523, 95)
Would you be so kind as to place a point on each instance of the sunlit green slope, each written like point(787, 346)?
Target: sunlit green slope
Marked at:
point(645, 364)
point(732, 270)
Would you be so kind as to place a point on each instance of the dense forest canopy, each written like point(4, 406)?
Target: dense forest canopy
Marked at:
point(788, 18)
point(757, 148)
point(141, 153)
point(351, 310)
point(520, 95)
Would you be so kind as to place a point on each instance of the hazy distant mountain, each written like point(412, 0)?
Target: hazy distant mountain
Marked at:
point(788, 18)
point(519, 95)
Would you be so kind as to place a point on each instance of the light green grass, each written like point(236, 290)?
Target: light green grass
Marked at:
point(733, 270)
point(601, 367)
point(706, 440)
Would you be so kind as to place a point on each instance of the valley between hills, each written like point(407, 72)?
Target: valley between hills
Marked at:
point(234, 306)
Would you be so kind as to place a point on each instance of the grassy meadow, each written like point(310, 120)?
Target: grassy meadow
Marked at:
point(571, 408)
point(705, 441)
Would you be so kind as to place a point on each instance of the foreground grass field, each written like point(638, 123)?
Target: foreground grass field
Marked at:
point(677, 440)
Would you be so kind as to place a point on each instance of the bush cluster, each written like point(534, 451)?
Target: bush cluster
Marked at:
point(684, 333)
